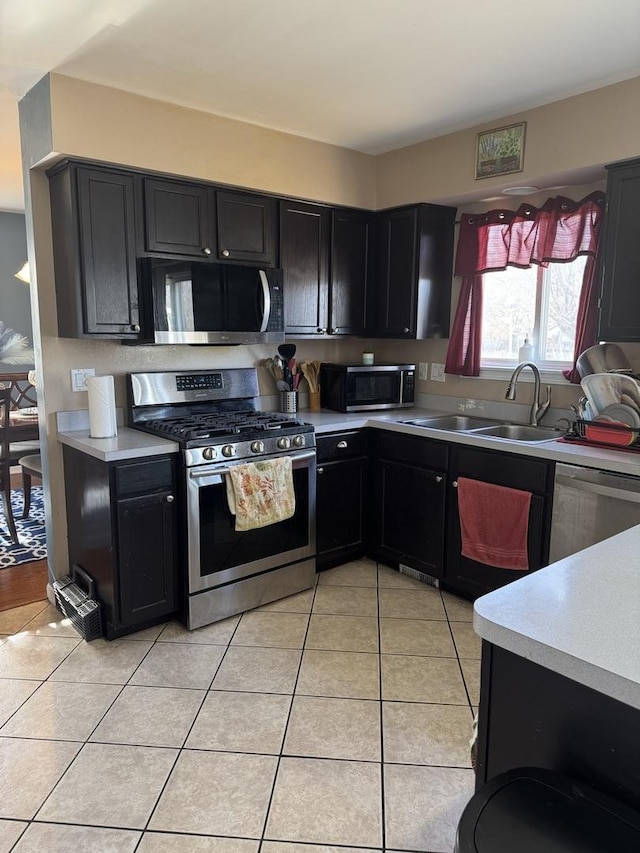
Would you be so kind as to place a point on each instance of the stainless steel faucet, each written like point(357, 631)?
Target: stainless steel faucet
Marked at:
point(538, 409)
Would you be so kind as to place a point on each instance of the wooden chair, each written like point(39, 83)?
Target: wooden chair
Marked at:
point(31, 467)
point(23, 393)
point(5, 462)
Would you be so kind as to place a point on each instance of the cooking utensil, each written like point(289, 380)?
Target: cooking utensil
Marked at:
point(287, 351)
point(281, 385)
point(602, 358)
point(311, 370)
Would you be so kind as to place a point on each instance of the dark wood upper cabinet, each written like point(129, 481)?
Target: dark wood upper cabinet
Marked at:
point(94, 249)
point(415, 269)
point(304, 257)
point(179, 218)
point(352, 264)
point(247, 227)
point(196, 220)
point(325, 254)
point(620, 256)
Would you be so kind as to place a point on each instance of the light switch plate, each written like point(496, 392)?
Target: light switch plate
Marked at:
point(79, 377)
point(437, 372)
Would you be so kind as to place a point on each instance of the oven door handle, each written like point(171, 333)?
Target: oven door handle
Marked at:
point(212, 470)
point(266, 294)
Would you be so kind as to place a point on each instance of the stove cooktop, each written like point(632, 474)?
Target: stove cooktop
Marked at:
point(199, 429)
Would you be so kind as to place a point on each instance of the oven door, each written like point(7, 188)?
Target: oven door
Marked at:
point(218, 554)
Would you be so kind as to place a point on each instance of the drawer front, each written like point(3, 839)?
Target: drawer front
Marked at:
point(414, 451)
point(342, 445)
point(155, 474)
point(503, 469)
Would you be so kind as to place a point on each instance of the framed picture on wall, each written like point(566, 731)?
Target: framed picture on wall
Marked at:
point(500, 151)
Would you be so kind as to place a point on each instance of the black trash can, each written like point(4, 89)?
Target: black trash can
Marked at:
point(532, 810)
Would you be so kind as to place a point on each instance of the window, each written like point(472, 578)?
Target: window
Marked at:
point(539, 303)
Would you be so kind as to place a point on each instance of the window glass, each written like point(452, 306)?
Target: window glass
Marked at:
point(508, 311)
point(539, 303)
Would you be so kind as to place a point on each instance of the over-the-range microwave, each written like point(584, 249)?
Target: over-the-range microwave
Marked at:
point(198, 302)
point(366, 387)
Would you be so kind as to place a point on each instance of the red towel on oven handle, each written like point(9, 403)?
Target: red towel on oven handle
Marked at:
point(494, 523)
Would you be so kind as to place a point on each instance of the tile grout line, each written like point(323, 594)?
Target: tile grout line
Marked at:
point(182, 748)
point(383, 822)
point(286, 727)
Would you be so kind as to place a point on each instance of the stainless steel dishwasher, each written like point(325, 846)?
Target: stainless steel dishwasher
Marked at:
point(590, 505)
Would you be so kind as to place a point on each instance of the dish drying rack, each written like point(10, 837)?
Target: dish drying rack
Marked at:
point(614, 436)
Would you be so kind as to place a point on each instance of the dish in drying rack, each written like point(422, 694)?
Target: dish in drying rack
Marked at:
point(627, 415)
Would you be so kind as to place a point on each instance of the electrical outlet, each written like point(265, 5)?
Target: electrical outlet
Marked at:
point(437, 372)
point(79, 377)
point(423, 368)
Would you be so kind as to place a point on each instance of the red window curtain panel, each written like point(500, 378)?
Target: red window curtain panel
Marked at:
point(557, 232)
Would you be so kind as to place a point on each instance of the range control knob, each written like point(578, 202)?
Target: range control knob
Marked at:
point(284, 443)
point(209, 453)
point(298, 441)
point(257, 446)
point(228, 450)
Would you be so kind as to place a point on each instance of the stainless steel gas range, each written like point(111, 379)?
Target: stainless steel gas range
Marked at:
point(214, 417)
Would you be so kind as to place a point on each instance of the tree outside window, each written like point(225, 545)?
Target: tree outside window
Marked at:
point(538, 303)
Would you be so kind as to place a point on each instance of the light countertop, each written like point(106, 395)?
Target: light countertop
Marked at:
point(131, 442)
point(128, 444)
point(579, 617)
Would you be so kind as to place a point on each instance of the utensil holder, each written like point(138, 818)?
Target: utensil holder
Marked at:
point(314, 401)
point(289, 402)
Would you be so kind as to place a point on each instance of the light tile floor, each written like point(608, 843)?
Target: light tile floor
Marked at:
point(339, 717)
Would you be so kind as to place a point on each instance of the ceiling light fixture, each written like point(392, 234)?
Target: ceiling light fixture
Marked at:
point(24, 274)
point(520, 190)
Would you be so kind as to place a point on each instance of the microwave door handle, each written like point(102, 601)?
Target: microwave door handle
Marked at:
point(266, 300)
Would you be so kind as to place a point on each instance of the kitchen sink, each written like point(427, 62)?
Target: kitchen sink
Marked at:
point(521, 432)
point(455, 423)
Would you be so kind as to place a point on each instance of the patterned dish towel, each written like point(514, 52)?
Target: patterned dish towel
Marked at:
point(261, 493)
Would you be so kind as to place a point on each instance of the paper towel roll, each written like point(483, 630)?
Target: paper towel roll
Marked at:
point(102, 407)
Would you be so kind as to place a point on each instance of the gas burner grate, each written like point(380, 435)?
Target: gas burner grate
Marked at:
point(207, 426)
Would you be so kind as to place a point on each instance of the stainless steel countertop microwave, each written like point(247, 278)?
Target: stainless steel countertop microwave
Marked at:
point(367, 387)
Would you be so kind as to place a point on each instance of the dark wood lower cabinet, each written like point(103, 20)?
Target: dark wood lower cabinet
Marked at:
point(341, 498)
point(409, 492)
point(122, 530)
point(533, 717)
point(408, 504)
point(466, 576)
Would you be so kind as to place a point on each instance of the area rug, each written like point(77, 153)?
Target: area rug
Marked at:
point(31, 533)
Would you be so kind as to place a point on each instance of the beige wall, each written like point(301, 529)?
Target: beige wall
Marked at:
point(74, 118)
point(107, 124)
point(563, 139)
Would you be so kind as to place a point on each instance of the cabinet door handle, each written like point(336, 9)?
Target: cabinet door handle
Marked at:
point(206, 250)
point(225, 253)
point(322, 331)
point(170, 499)
point(341, 445)
point(439, 479)
point(319, 470)
point(406, 330)
point(455, 484)
point(135, 328)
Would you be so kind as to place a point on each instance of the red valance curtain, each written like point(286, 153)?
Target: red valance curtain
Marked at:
point(557, 232)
